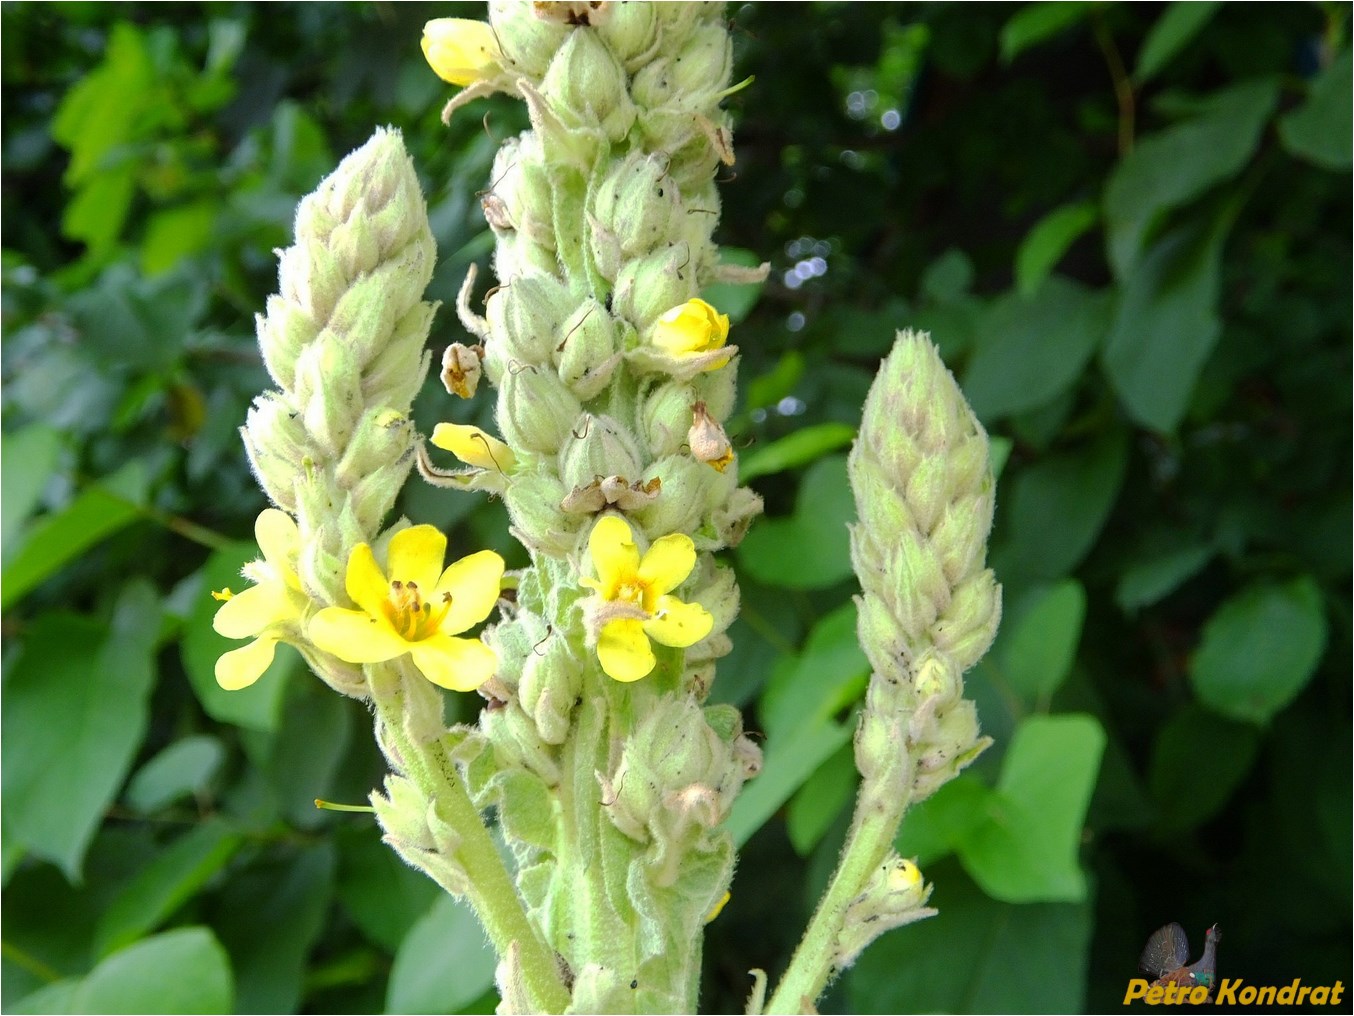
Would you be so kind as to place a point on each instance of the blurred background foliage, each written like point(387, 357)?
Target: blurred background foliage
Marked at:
point(1126, 225)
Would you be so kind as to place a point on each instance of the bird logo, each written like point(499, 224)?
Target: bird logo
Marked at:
point(1166, 959)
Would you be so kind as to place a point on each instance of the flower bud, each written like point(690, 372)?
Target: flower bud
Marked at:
point(552, 679)
point(533, 500)
point(693, 78)
point(649, 286)
point(587, 355)
point(731, 520)
point(586, 88)
point(665, 416)
point(639, 204)
point(524, 318)
point(535, 409)
point(966, 628)
point(684, 498)
point(520, 193)
point(950, 744)
point(527, 42)
point(598, 446)
point(631, 33)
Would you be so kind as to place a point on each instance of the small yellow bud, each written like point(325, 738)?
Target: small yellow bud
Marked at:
point(903, 875)
point(691, 328)
point(714, 911)
point(460, 51)
point(474, 447)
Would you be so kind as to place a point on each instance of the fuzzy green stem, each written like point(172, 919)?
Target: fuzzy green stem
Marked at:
point(491, 890)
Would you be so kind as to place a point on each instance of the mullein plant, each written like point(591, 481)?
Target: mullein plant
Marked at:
point(606, 774)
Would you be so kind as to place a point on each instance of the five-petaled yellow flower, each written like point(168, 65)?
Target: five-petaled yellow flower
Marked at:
point(693, 329)
point(460, 51)
point(419, 609)
point(637, 592)
point(264, 610)
point(474, 447)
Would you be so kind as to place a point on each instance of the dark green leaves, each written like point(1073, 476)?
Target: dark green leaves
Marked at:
point(815, 535)
point(1319, 130)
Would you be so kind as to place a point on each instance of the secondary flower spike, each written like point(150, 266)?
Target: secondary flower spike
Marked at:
point(636, 602)
point(266, 609)
point(418, 609)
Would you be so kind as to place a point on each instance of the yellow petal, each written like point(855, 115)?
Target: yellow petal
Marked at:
point(614, 554)
point(458, 664)
point(241, 667)
point(679, 624)
point(365, 582)
point(624, 650)
point(250, 611)
point(474, 447)
point(355, 636)
point(690, 328)
point(714, 911)
point(278, 538)
point(460, 51)
point(416, 555)
point(473, 583)
point(668, 563)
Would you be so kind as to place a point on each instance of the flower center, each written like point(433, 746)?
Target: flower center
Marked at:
point(632, 590)
point(411, 617)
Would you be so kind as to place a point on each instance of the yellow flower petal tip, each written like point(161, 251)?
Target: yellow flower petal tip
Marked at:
point(474, 447)
point(415, 607)
point(224, 595)
point(904, 875)
point(715, 910)
point(633, 603)
point(459, 50)
point(690, 329)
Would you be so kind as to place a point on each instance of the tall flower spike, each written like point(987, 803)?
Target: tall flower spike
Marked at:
point(634, 601)
point(419, 610)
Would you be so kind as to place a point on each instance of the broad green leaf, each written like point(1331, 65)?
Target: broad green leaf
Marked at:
point(28, 458)
point(57, 997)
point(76, 708)
point(443, 964)
point(1198, 762)
point(180, 971)
point(811, 549)
point(1041, 642)
point(259, 706)
point(1319, 130)
point(175, 233)
point(977, 955)
point(1035, 22)
point(1057, 508)
point(1028, 850)
point(304, 757)
point(769, 388)
point(1048, 240)
point(820, 800)
point(1259, 649)
point(800, 448)
point(1034, 348)
point(1166, 325)
point(1148, 580)
point(268, 917)
point(98, 512)
point(935, 827)
point(1176, 165)
point(162, 886)
point(948, 277)
point(787, 763)
point(382, 894)
point(736, 301)
point(181, 770)
point(1173, 31)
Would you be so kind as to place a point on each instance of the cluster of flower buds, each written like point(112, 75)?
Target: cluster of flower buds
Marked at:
point(930, 608)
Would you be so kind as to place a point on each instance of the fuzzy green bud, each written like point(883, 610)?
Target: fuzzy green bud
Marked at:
point(519, 199)
point(691, 79)
point(552, 679)
point(528, 42)
point(598, 447)
point(648, 287)
point(524, 321)
point(587, 356)
point(665, 416)
point(632, 33)
point(689, 491)
point(586, 88)
point(535, 409)
point(636, 208)
point(533, 500)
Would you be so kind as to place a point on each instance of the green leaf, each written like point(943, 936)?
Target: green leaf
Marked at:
point(1166, 326)
point(269, 917)
point(382, 894)
point(1259, 649)
point(258, 707)
point(1150, 579)
point(820, 800)
point(173, 234)
point(815, 535)
point(443, 964)
point(1032, 349)
point(977, 955)
point(1173, 31)
point(1319, 130)
point(76, 708)
point(736, 301)
point(1035, 22)
point(1048, 240)
point(1198, 762)
point(304, 757)
point(183, 769)
point(769, 388)
point(1040, 643)
point(162, 886)
point(787, 764)
point(798, 449)
point(99, 511)
point(1058, 506)
point(181, 971)
point(1174, 166)
point(57, 997)
point(27, 458)
point(1028, 851)
point(936, 826)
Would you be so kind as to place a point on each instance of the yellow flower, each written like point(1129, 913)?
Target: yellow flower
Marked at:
point(692, 329)
point(264, 610)
point(637, 605)
point(419, 610)
point(460, 51)
point(474, 447)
